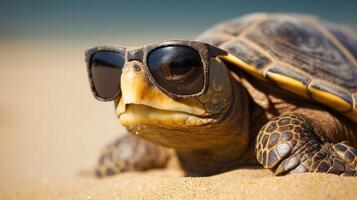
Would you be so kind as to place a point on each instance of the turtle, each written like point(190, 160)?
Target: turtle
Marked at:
point(265, 89)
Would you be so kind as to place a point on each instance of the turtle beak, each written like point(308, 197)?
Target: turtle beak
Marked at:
point(142, 99)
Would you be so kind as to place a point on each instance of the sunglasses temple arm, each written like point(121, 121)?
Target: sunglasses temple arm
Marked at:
point(215, 51)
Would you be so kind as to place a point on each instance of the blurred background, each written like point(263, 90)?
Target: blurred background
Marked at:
point(50, 125)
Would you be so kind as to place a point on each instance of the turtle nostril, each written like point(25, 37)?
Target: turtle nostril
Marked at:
point(136, 67)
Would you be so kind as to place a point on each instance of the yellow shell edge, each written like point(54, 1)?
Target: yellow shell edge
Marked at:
point(331, 100)
point(289, 84)
point(246, 67)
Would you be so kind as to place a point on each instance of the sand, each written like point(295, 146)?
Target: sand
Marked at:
point(51, 130)
point(164, 184)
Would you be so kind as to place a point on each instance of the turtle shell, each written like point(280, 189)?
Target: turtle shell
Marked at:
point(301, 54)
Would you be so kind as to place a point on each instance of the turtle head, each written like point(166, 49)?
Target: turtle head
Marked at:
point(142, 103)
point(186, 123)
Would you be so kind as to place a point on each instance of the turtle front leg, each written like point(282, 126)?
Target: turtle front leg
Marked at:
point(292, 143)
point(130, 153)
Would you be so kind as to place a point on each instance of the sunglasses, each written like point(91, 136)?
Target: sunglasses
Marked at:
point(179, 68)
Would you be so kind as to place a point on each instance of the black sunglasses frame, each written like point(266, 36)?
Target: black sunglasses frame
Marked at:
point(206, 52)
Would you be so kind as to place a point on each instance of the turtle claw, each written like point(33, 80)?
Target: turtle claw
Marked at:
point(130, 153)
point(287, 165)
point(347, 153)
point(288, 144)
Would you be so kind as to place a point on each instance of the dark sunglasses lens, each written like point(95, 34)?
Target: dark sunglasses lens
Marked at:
point(178, 69)
point(106, 68)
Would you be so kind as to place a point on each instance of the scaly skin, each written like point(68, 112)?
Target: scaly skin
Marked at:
point(130, 153)
point(302, 142)
point(299, 136)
